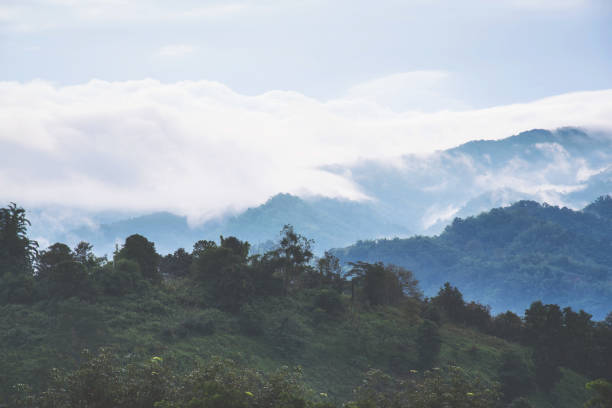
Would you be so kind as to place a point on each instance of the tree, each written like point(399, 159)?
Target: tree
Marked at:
point(225, 271)
point(383, 285)
point(177, 264)
point(450, 300)
point(17, 251)
point(239, 248)
point(374, 283)
point(544, 331)
point(234, 287)
point(202, 246)
point(16, 287)
point(17, 255)
point(330, 272)
point(290, 260)
point(119, 278)
point(408, 284)
point(142, 251)
point(508, 326)
point(477, 315)
point(544, 325)
point(49, 259)
point(602, 337)
point(83, 253)
point(578, 341)
point(60, 273)
point(68, 279)
point(210, 264)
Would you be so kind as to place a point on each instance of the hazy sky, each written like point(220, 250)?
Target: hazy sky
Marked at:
point(197, 106)
point(494, 52)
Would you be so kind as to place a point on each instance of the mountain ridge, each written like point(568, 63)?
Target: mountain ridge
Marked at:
point(509, 256)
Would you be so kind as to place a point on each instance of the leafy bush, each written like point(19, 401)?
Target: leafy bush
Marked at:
point(514, 376)
point(448, 387)
point(120, 277)
point(251, 320)
point(428, 343)
point(330, 301)
point(102, 381)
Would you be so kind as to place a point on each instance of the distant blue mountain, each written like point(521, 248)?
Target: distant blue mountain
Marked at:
point(509, 257)
point(330, 222)
point(418, 194)
point(566, 167)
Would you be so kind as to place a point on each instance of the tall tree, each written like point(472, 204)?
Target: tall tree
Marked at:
point(17, 255)
point(60, 273)
point(382, 285)
point(291, 258)
point(176, 264)
point(17, 251)
point(225, 270)
point(544, 331)
point(450, 299)
point(141, 250)
point(330, 272)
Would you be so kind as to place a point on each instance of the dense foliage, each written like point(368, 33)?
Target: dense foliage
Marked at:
point(102, 381)
point(166, 317)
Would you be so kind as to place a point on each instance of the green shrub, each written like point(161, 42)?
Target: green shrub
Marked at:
point(330, 301)
point(428, 343)
point(251, 320)
point(514, 376)
point(120, 277)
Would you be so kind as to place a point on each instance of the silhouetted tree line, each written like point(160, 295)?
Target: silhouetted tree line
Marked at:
point(225, 270)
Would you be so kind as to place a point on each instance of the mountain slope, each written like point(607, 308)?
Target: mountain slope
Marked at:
point(335, 352)
point(509, 256)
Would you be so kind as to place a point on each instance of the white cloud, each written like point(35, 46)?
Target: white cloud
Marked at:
point(409, 91)
point(199, 148)
point(175, 50)
point(436, 214)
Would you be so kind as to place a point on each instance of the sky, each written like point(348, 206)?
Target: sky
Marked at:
point(199, 107)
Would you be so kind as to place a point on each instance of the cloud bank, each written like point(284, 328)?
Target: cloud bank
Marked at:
point(199, 148)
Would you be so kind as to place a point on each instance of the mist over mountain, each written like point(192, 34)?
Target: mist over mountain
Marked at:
point(330, 222)
point(564, 167)
point(412, 194)
point(507, 257)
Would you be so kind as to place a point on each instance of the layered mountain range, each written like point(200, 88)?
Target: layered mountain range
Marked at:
point(413, 194)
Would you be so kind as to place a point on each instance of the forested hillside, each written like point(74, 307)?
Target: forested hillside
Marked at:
point(213, 326)
point(507, 257)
